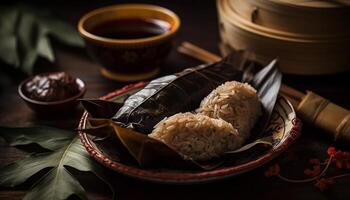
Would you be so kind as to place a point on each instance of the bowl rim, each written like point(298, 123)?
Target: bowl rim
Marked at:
point(189, 178)
point(81, 84)
point(147, 40)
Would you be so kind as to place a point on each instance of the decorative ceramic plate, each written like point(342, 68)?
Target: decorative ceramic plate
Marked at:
point(284, 126)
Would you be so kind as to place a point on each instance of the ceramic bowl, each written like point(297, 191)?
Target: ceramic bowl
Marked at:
point(52, 107)
point(129, 59)
point(284, 127)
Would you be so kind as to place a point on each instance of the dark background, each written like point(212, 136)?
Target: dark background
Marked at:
point(199, 26)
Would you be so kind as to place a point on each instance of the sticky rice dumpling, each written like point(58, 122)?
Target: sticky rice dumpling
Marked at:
point(235, 102)
point(196, 136)
point(222, 123)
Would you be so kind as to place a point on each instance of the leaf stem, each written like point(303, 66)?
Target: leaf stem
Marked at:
point(309, 179)
point(339, 176)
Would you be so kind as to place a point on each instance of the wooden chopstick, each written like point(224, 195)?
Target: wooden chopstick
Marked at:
point(199, 52)
point(194, 51)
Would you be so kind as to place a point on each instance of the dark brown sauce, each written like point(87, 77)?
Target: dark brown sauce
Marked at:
point(131, 28)
point(52, 87)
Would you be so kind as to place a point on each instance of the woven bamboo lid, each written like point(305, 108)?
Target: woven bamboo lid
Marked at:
point(316, 3)
point(325, 18)
point(307, 39)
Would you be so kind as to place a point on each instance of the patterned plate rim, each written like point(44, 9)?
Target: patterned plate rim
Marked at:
point(190, 177)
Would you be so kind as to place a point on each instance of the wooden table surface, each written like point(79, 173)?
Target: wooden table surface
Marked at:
point(199, 25)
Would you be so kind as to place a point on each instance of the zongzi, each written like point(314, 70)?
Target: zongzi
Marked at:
point(197, 136)
point(234, 102)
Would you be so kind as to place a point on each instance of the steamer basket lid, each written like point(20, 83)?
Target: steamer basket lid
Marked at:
point(316, 3)
point(313, 18)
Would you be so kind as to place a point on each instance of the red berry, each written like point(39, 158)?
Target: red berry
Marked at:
point(331, 151)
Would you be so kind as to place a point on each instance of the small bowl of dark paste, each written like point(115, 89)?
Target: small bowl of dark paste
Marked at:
point(52, 92)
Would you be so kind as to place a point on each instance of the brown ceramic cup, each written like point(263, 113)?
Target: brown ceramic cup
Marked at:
point(128, 59)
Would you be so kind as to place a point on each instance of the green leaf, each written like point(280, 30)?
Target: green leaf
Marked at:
point(25, 34)
point(8, 20)
point(18, 172)
point(44, 49)
point(46, 137)
point(8, 50)
point(58, 183)
point(63, 32)
point(8, 41)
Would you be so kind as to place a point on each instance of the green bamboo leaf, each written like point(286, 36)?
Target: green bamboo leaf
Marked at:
point(8, 41)
point(25, 34)
point(57, 183)
point(62, 31)
point(46, 137)
point(8, 50)
point(45, 50)
point(28, 31)
point(8, 19)
point(18, 172)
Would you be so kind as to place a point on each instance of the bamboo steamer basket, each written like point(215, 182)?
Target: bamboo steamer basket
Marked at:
point(308, 37)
